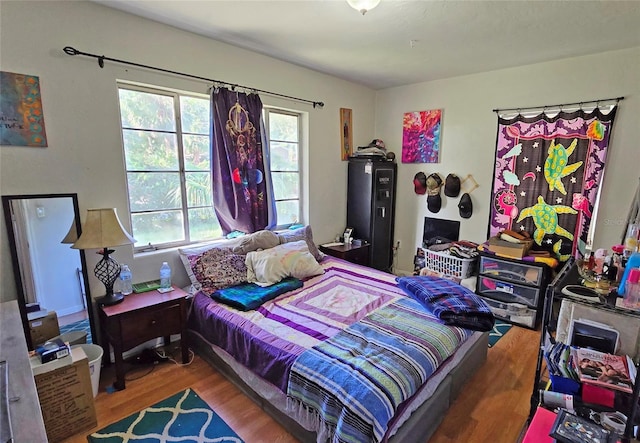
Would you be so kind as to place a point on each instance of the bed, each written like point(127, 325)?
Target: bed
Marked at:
point(267, 353)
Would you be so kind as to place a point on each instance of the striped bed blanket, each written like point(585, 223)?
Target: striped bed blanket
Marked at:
point(350, 385)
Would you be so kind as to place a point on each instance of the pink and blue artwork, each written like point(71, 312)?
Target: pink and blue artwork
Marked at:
point(21, 119)
point(421, 136)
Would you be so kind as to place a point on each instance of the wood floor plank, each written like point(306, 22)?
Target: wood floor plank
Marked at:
point(491, 408)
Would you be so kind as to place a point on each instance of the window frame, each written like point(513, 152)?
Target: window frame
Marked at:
point(266, 111)
point(184, 208)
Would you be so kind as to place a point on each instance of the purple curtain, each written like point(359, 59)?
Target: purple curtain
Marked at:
point(547, 174)
point(241, 190)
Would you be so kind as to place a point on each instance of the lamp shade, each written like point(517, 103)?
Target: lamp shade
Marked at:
point(72, 235)
point(102, 229)
point(363, 6)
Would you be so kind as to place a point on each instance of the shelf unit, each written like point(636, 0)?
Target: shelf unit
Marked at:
point(568, 275)
point(513, 289)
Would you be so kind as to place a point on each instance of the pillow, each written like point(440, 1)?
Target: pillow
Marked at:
point(257, 240)
point(291, 259)
point(305, 234)
point(218, 268)
point(185, 253)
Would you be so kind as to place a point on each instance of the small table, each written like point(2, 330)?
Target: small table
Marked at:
point(354, 254)
point(142, 317)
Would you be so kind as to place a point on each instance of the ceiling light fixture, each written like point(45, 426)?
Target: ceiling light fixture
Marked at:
point(363, 6)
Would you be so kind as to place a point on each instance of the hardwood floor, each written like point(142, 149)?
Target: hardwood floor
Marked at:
point(492, 408)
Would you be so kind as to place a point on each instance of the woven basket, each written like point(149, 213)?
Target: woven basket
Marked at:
point(448, 264)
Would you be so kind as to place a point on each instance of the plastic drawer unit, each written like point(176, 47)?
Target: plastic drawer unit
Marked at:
point(513, 289)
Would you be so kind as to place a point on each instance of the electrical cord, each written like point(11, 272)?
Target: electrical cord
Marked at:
point(163, 356)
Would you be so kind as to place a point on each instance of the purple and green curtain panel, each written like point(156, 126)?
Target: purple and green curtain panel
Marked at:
point(547, 174)
point(242, 192)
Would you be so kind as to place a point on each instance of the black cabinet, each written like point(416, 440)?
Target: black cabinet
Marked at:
point(371, 198)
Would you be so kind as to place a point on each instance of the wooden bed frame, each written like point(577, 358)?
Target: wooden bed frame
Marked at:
point(420, 426)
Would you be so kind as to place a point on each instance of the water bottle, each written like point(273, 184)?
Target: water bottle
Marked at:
point(165, 276)
point(126, 284)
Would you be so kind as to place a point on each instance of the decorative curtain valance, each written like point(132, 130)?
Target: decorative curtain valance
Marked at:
point(242, 191)
point(547, 174)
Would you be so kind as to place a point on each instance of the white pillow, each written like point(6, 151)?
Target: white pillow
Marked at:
point(293, 259)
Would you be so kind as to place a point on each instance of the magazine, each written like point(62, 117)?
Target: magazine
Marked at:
point(602, 369)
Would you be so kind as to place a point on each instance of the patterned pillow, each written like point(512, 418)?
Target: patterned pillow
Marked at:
point(305, 234)
point(218, 268)
point(270, 266)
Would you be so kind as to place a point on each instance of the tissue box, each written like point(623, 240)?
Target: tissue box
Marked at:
point(52, 350)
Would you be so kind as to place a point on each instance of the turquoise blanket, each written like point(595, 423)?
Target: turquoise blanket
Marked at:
point(248, 296)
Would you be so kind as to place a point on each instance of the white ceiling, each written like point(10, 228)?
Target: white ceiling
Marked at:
point(403, 42)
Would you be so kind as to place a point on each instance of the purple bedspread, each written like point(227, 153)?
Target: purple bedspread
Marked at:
point(269, 339)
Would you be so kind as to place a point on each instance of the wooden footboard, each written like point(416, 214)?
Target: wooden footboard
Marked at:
point(420, 426)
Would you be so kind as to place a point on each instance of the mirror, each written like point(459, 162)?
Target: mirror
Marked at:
point(48, 273)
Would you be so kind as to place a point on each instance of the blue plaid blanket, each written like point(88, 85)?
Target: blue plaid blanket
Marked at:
point(452, 303)
point(349, 387)
point(248, 296)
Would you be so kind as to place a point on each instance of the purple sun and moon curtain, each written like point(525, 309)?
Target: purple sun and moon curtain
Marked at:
point(546, 177)
point(242, 190)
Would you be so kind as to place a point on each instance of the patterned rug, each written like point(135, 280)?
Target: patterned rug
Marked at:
point(500, 329)
point(183, 417)
point(82, 325)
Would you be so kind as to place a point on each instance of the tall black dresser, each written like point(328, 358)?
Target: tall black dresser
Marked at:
point(371, 199)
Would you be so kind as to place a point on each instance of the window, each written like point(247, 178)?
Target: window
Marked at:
point(284, 141)
point(166, 148)
point(168, 166)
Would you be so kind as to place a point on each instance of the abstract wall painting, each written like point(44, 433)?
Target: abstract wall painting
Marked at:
point(421, 136)
point(21, 118)
point(346, 133)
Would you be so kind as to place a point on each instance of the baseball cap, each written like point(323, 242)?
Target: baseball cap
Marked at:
point(452, 186)
point(420, 183)
point(465, 206)
point(377, 143)
point(434, 200)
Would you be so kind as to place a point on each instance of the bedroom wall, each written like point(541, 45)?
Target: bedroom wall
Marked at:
point(82, 118)
point(469, 131)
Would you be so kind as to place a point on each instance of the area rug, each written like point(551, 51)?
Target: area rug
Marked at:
point(81, 325)
point(183, 417)
point(500, 329)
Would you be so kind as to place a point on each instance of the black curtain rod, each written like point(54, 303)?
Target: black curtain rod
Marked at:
point(101, 58)
point(561, 105)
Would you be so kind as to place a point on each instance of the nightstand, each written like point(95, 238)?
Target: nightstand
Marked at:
point(355, 254)
point(142, 317)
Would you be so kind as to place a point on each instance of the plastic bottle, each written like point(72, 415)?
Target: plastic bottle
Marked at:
point(632, 290)
point(633, 262)
point(126, 280)
point(165, 276)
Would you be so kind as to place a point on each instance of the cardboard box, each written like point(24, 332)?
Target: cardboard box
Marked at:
point(508, 249)
point(44, 328)
point(66, 396)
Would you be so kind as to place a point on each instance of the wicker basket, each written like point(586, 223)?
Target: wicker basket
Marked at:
point(448, 264)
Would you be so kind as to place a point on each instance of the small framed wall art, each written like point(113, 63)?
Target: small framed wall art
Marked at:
point(421, 136)
point(21, 118)
point(346, 134)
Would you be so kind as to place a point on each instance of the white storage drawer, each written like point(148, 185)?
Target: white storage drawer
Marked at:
point(512, 312)
point(515, 272)
point(508, 292)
